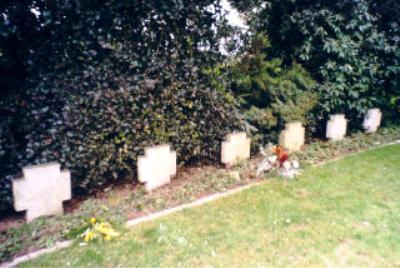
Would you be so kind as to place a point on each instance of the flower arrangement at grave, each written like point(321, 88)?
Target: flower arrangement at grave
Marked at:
point(276, 158)
point(96, 230)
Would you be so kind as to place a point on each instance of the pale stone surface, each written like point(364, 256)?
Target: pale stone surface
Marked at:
point(372, 120)
point(292, 137)
point(157, 166)
point(235, 148)
point(42, 190)
point(336, 127)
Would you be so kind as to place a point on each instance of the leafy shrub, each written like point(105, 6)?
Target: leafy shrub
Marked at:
point(353, 69)
point(271, 94)
point(351, 48)
point(107, 79)
point(388, 13)
point(193, 118)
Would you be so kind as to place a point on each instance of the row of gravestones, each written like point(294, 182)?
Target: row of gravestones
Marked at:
point(43, 188)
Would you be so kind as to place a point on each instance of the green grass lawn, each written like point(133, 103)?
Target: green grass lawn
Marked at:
point(344, 213)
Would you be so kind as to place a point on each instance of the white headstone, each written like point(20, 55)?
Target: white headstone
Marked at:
point(372, 120)
point(293, 136)
point(336, 127)
point(236, 148)
point(157, 166)
point(42, 190)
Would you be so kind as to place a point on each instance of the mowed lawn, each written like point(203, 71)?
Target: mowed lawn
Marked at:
point(344, 213)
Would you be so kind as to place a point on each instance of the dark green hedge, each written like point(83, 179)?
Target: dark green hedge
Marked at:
point(107, 79)
point(350, 48)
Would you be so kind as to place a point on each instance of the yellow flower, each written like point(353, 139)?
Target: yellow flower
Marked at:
point(89, 234)
point(102, 230)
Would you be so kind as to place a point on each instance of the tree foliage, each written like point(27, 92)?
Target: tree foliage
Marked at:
point(103, 79)
point(347, 46)
point(388, 14)
point(270, 93)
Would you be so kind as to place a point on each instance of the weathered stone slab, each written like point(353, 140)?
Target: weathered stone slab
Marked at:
point(372, 120)
point(336, 127)
point(292, 137)
point(157, 166)
point(42, 190)
point(235, 148)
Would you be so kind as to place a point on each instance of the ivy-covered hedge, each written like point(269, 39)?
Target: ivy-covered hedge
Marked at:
point(107, 79)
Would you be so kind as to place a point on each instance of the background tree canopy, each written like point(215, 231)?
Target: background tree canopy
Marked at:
point(350, 47)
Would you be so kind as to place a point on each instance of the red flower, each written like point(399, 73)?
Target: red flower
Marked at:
point(281, 153)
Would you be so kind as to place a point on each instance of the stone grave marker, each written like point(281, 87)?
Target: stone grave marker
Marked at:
point(157, 166)
point(42, 190)
point(235, 148)
point(336, 127)
point(292, 137)
point(372, 120)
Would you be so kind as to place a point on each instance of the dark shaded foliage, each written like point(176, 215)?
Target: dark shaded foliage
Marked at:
point(350, 48)
point(270, 93)
point(99, 80)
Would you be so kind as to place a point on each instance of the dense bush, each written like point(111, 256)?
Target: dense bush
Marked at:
point(106, 79)
point(192, 117)
point(271, 94)
point(348, 46)
point(351, 68)
point(388, 13)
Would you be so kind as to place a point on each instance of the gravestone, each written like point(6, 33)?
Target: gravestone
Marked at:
point(157, 166)
point(336, 127)
point(235, 148)
point(292, 137)
point(42, 190)
point(372, 120)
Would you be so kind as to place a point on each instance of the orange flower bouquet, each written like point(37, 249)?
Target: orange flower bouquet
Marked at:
point(277, 158)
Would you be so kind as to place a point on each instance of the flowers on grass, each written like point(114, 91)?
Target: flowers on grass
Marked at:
point(98, 230)
point(277, 158)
